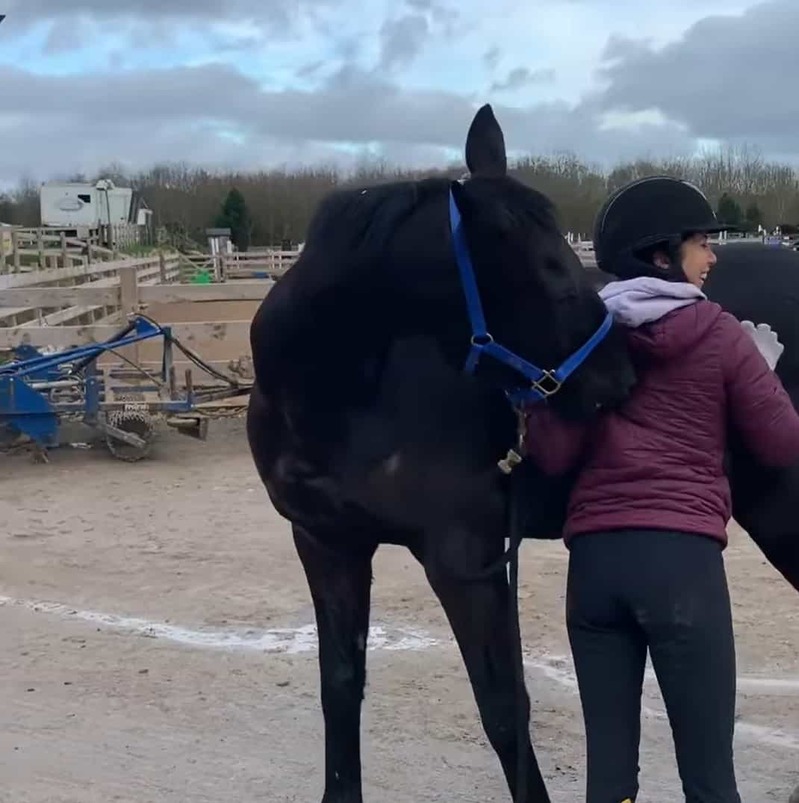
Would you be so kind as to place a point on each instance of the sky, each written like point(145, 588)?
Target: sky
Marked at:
point(252, 84)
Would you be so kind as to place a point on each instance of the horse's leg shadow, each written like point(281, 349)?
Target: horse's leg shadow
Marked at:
point(478, 613)
point(340, 587)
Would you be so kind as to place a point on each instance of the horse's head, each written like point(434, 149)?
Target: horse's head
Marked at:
point(537, 301)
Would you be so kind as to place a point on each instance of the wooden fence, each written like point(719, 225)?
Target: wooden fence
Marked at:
point(76, 294)
point(130, 295)
point(261, 264)
point(87, 301)
point(23, 249)
point(59, 308)
point(273, 263)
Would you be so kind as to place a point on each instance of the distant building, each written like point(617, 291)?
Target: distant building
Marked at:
point(82, 209)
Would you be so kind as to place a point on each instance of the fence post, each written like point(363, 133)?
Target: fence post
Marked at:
point(15, 249)
point(2, 250)
point(162, 267)
point(129, 303)
point(128, 290)
point(64, 254)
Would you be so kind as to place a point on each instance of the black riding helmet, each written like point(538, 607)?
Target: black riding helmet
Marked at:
point(649, 213)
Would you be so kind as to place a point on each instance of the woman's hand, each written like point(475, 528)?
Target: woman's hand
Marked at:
point(766, 340)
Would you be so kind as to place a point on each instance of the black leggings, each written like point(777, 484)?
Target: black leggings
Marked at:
point(665, 591)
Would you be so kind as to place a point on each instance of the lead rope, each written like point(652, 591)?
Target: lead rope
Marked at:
point(522, 724)
point(515, 538)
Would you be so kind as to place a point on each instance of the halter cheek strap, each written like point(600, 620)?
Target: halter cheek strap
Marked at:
point(540, 383)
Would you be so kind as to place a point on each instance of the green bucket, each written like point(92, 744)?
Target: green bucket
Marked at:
point(202, 277)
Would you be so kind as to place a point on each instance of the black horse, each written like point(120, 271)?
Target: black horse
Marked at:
point(366, 429)
point(761, 283)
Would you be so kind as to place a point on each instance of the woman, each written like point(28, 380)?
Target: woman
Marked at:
point(646, 520)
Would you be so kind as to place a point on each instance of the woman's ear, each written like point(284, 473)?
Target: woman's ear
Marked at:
point(661, 260)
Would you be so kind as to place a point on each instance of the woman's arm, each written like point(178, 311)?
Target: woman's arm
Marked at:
point(553, 444)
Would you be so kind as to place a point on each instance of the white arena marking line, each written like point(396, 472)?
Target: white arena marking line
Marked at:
point(768, 685)
point(286, 640)
point(293, 641)
point(558, 669)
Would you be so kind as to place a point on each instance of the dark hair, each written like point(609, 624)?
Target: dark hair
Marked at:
point(669, 247)
point(647, 254)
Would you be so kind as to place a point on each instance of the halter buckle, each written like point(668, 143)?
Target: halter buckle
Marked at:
point(510, 461)
point(548, 385)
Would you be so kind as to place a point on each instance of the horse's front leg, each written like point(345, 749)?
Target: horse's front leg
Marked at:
point(340, 587)
point(479, 617)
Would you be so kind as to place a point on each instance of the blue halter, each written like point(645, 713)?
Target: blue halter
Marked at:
point(543, 383)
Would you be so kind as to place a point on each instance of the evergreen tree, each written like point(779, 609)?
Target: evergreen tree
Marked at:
point(754, 217)
point(236, 217)
point(729, 210)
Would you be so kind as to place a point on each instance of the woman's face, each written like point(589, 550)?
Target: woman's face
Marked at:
point(697, 258)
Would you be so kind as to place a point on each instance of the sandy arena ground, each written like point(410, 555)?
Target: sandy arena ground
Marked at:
point(156, 646)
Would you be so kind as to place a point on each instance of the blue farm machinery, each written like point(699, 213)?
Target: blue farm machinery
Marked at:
point(38, 392)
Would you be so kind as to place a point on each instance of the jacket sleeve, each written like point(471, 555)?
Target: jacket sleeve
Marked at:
point(553, 444)
point(760, 408)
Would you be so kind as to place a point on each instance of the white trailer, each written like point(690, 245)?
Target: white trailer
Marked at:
point(71, 205)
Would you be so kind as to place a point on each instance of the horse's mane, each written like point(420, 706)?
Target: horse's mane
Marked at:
point(520, 201)
point(360, 221)
point(351, 228)
point(351, 277)
point(332, 284)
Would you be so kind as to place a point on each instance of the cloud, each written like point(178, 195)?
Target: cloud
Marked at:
point(143, 20)
point(523, 76)
point(82, 123)
point(402, 39)
point(237, 83)
point(727, 77)
point(310, 69)
point(207, 10)
point(491, 57)
point(442, 13)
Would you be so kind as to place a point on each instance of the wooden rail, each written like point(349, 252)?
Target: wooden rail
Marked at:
point(273, 263)
point(68, 306)
point(67, 302)
point(194, 334)
point(259, 264)
point(23, 249)
point(78, 294)
point(135, 285)
point(136, 288)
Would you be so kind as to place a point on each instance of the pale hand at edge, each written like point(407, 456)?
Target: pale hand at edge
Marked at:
point(766, 340)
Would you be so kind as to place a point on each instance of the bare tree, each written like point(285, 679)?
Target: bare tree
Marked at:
point(185, 199)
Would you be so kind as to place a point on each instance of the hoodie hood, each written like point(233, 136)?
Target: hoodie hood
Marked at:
point(665, 318)
point(644, 299)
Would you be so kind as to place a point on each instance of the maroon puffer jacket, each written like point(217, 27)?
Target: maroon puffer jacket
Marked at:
point(658, 461)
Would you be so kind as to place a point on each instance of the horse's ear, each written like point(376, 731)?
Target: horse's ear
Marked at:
point(485, 145)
